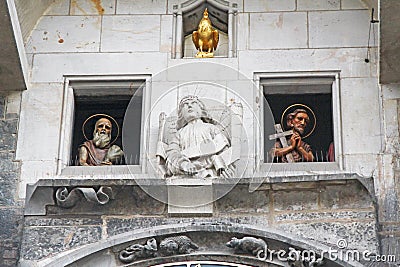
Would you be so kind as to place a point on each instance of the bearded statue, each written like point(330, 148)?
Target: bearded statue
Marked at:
point(99, 151)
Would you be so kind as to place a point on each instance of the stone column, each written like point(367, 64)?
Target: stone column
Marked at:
point(179, 35)
point(231, 30)
point(388, 180)
point(174, 35)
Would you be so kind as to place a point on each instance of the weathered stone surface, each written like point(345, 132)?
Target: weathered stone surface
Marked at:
point(6, 162)
point(389, 55)
point(350, 61)
point(285, 30)
point(52, 240)
point(8, 142)
point(141, 7)
point(291, 186)
point(101, 259)
point(8, 189)
point(353, 195)
point(240, 200)
point(318, 4)
point(8, 127)
point(353, 4)
point(82, 7)
point(295, 200)
point(358, 235)
point(60, 7)
point(8, 135)
point(391, 247)
point(10, 220)
point(331, 29)
point(13, 103)
point(9, 252)
point(2, 106)
point(165, 33)
point(134, 33)
point(127, 200)
point(10, 235)
point(66, 34)
point(195, 199)
point(11, 211)
point(352, 125)
point(269, 5)
point(314, 216)
point(43, 221)
point(390, 228)
point(120, 225)
point(94, 63)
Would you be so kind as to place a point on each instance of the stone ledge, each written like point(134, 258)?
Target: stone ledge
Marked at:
point(113, 179)
point(41, 194)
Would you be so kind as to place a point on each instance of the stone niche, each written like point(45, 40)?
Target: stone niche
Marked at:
point(187, 16)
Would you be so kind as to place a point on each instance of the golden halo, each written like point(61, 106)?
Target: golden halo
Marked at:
point(100, 115)
point(304, 106)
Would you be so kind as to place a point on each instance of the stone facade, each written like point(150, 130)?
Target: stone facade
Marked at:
point(74, 40)
point(11, 207)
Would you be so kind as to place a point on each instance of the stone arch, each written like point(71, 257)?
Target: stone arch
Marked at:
point(105, 251)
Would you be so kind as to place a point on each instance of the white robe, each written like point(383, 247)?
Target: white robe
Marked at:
point(198, 142)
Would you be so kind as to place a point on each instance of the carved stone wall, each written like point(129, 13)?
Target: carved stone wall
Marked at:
point(11, 208)
point(317, 211)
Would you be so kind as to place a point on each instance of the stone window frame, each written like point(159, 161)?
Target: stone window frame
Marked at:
point(178, 37)
point(96, 82)
point(298, 167)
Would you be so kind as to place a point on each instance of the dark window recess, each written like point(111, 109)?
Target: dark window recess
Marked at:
point(321, 103)
point(113, 105)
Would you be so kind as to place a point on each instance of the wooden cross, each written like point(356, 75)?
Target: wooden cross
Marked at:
point(282, 138)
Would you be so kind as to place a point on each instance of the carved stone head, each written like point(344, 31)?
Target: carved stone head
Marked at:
point(103, 126)
point(102, 132)
point(190, 108)
point(298, 120)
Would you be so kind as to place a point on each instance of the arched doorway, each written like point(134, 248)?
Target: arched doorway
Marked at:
point(212, 249)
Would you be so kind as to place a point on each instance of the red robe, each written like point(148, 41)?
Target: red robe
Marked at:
point(95, 155)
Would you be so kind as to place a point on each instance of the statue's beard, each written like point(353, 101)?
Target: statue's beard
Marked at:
point(101, 140)
point(299, 130)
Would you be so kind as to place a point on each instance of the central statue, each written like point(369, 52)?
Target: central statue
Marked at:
point(198, 148)
point(205, 38)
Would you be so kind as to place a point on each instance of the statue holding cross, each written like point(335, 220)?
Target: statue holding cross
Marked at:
point(291, 147)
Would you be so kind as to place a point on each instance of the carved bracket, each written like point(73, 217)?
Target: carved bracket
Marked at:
point(169, 246)
point(259, 248)
point(67, 199)
point(256, 247)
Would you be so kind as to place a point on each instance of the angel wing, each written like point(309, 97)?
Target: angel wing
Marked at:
point(215, 38)
point(195, 39)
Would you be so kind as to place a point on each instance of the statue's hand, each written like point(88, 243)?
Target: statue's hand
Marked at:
point(114, 154)
point(228, 172)
point(190, 168)
point(298, 140)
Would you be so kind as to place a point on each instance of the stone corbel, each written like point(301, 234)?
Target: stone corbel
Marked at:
point(46, 193)
point(66, 199)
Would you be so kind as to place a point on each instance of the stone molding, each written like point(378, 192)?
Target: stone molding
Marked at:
point(117, 241)
point(41, 194)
